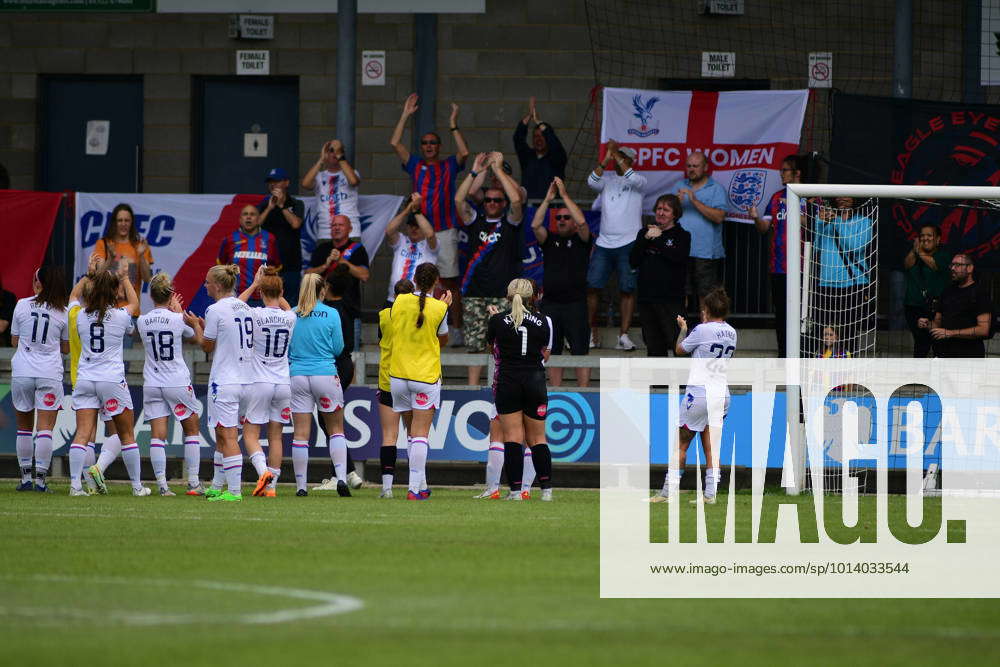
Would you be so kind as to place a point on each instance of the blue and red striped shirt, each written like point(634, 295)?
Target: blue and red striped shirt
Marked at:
point(436, 182)
point(249, 251)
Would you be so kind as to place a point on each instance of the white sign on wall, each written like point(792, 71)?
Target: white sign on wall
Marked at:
point(255, 26)
point(253, 62)
point(373, 68)
point(254, 144)
point(98, 136)
point(821, 69)
point(989, 43)
point(718, 64)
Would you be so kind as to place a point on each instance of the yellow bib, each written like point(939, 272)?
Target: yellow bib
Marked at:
point(385, 348)
point(416, 353)
point(74, 344)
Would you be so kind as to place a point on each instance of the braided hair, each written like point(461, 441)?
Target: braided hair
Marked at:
point(425, 277)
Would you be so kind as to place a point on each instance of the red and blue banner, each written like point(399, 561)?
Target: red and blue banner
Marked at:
point(27, 221)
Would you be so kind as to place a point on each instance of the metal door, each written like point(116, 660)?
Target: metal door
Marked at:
point(91, 133)
point(229, 108)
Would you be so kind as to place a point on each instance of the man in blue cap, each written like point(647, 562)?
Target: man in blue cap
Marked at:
point(282, 215)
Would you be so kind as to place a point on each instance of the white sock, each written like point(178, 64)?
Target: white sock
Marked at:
point(528, 477)
point(259, 462)
point(192, 459)
point(274, 480)
point(91, 457)
point(130, 454)
point(387, 482)
point(671, 482)
point(300, 463)
point(417, 457)
point(110, 450)
point(712, 477)
point(233, 467)
point(494, 465)
point(77, 456)
point(23, 446)
point(43, 455)
point(158, 457)
point(219, 477)
point(338, 454)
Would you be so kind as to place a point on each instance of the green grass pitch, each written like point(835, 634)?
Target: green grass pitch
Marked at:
point(116, 580)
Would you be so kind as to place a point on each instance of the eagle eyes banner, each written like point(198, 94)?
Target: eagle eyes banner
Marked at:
point(744, 135)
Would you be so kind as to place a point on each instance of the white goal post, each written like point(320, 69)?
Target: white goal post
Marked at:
point(797, 290)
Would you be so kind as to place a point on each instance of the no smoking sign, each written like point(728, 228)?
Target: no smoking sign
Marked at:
point(821, 69)
point(373, 68)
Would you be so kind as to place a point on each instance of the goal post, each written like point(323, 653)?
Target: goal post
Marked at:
point(799, 291)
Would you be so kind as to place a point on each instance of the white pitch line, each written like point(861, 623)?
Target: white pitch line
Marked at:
point(330, 603)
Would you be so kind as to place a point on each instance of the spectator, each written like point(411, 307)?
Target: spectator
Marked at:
point(282, 215)
point(336, 183)
point(841, 237)
point(340, 249)
point(832, 349)
point(497, 241)
point(704, 202)
point(486, 180)
point(621, 219)
point(927, 276)
point(962, 319)
point(419, 245)
point(565, 256)
point(7, 303)
point(774, 225)
point(436, 181)
point(249, 247)
point(660, 255)
point(122, 246)
point(544, 159)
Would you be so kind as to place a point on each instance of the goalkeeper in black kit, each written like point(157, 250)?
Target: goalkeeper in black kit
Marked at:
point(521, 339)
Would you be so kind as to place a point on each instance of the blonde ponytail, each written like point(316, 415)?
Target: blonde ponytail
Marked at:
point(224, 275)
point(161, 288)
point(312, 287)
point(518, 291)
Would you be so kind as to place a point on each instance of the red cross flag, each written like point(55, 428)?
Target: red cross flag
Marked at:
point(744, 134)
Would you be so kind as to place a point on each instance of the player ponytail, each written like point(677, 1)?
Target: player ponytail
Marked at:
point(103, 294)
point(402, 286)
point(271, 285)
point(425, 276)
point(51, 287)
point(224, 275)
point(312, 287)
point(519, 291)
point(716, 303)
point(161, 288)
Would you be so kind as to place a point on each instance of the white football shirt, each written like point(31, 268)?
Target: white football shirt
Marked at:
point(101, 344)
point(272, 333)
point(406, 257)
point(709, 340)
point(162, 331)
point(335, 196)
point(229, 322)
point(40, 330)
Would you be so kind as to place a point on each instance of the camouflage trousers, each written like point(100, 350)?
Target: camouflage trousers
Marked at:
point(475, 318)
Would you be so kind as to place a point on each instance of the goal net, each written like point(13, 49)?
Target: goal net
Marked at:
point(834, 288)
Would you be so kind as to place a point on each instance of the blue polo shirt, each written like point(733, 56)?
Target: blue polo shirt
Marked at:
point(706, 236)
point(316, 342)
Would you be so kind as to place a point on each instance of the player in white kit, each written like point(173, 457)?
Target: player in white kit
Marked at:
point(229, 337)
point(336, 184)
point(269, 400)
point(39, 332)
point(706, 402)
point(100, 375)
point(413, 242)
point(167, 381)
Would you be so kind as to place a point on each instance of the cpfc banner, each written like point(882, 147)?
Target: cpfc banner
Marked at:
point(744, 134)
point(184, 232)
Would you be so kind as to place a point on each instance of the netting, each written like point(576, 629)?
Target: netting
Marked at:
point(659, 45)
point(839, 278)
